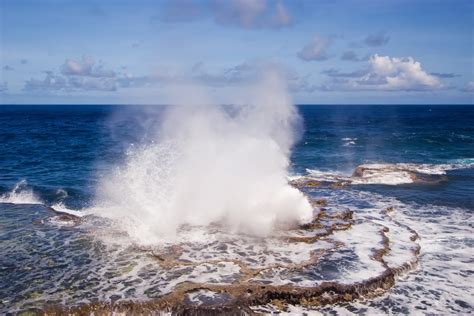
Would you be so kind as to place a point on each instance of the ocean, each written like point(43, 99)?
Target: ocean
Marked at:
point(405, 172)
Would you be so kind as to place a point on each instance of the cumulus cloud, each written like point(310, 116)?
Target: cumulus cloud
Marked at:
point(92, 83)
point(76, 75)
point(400, 74)
point(248, 14)
point(385, 73)
point(85, 75)
point(377, 39)
point(53, 82)
point(7, 68)
point(315, 50)
point(77, 68)
point(49, 82)
point(86, 67)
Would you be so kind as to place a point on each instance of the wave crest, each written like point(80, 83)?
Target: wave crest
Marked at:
point(20, 194)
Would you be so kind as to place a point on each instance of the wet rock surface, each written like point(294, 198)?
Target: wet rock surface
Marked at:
point(331, 260)
point(398, 172)
point(384, 174)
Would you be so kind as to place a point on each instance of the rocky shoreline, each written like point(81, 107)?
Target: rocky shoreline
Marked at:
point(243, 296)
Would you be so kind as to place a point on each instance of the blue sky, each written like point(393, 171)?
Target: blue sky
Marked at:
point(341, 52)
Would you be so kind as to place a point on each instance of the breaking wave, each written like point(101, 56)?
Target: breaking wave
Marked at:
point(20, 194)
point(390, 174)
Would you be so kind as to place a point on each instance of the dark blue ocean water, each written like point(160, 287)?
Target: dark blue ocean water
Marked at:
point(69, 147)
point(58, 154)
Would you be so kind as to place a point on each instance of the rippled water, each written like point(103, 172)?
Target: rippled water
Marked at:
point(55, 156)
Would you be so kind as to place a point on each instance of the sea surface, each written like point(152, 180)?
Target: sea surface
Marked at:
point(56, 155)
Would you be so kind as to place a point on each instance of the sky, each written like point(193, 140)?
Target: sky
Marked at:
point(329, 52)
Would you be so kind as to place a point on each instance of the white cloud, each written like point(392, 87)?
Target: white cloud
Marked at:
point(76, 75)
point(316, 49)
point(86, 67)
point(50, 82)
point(401, 74)
point(78, 68)
point(386, 73)
point(98, 84)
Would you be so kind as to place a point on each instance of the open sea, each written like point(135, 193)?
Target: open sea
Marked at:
point(417, 161)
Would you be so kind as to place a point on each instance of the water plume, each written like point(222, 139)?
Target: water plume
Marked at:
point(210, 164)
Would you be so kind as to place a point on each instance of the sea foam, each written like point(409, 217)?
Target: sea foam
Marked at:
point(20, 194)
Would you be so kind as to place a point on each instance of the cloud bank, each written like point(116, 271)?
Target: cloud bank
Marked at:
point(77, 75)
point(382, 73)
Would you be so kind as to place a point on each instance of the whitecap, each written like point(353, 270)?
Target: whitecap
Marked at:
point(20, 194)
point(61, 207)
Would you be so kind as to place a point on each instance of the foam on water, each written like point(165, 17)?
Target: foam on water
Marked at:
point(435, 169)
point(441, 282)
point(61, 207)
point(388, 174)
point(212, 256)
point(20, 194)
point(349, 141)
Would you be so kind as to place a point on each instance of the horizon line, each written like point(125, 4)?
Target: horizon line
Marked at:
point(223, 104)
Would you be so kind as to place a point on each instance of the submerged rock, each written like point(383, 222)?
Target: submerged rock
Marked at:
point(64, 219)
point(395, 174)
point(230, 274)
